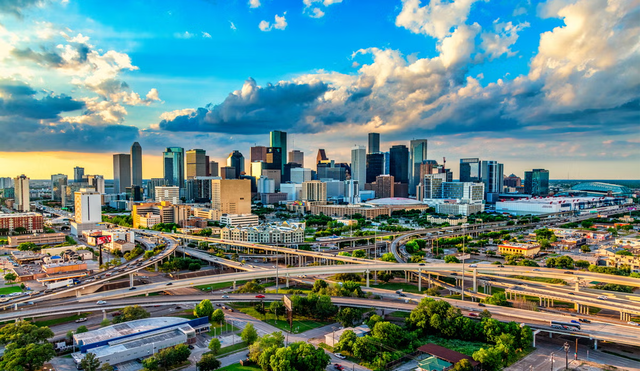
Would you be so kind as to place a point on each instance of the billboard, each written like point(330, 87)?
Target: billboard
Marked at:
point(103, 240)
point(287, 303)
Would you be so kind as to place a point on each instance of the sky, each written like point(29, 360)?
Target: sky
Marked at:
point(551, 84)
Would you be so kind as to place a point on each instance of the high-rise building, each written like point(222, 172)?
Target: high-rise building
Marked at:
point(359, 166)
point(213, 168)
point(198, 189)
point(196, 163)
point(174, 166)
point(328, 169)
point(321, 156)
point(399, 163)
point(78, 174)
point(432, 185)
point(258, 153)
point(57, 181)
point(273, 159)
point(384, 186)
point(168, 193)
point(492, 174)
point(470, 170)
point(286, 176)
point(228, 172)
point(151, 187)
point(473, 192)
point(266, 185)
point(121, 172)
point(22, 200)
point(87, 206)
point(231, 196)
point(236, 161)
point(300, 175)
point(134, 193)
point(374, 142)
point(417, 154)
point(96, 181)
point(375, 166)
point(512, 181)
point(314, 190)
point(278, 138)
point(536, 182)
point(207, 161)
point(296, 157)
point(352, 191)
point(6, 182)
point(136, 164)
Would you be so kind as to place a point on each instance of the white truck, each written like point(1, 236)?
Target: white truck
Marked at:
point(61, 283)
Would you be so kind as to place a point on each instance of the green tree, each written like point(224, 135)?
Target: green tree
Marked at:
point(277, 308)
point(69, 335)
point(299, 356)
point(106, 367)
point(359, 254)
point(90, 362)
point(388, 257)
point(385, 276)
point(275, 340)
point(582, 264)
point(214, 345)
point(319, 285)
point(250, 287)
point(204, 309)
point(348, 316)
point(389, 334)
point(484, 314)
point(217, 316)
point(208, 362)
point(131, 313)
point(26, 346)
point(586, 224)
point(249, 334)
point(451, 259)
point(325, 308)
point(463, 365)
point(105, 322)
point(585, 248)
point(82, 329)
point(10, 277)
point(346, 343)
point(365, 349)
point(497, 298)
point(490, 358)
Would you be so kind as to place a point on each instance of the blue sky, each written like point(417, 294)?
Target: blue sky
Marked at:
point(503, 80)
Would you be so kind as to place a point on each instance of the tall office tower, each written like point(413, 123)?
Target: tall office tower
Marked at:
point(57, 181)
point(206, 166)
point(468, 191)
point(314, 190)
point(330, 170)
point(387, 158)
point(231, 196)
point(273, 159)
point(399, 163)
point(375, 166)
point(236, 161)
point(78, 174)
point(297, 157)
point(384, 186)
point(97, 182)
point(6, 182)
point(88, 206)
point(174, 166)
point(536, 182)
point(136, 164)
point(286, 176)
point(470, 170)
point(151, 187)
point(352, 190)
point(492, 176)
point(359, 166)
point(213, 168)
point(134, 193)
point(196, 163)
point(21, 197)
point(278, 138)
point(266, 185)
point(228, 172)
point(416, 156)
point(321, 156)
point(432, 185)
point(374, 142)
point(258, 153)
point(121, 172)
point(256, 169)
point(301, 175)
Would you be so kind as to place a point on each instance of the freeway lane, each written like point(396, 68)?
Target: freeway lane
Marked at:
point(597, 330)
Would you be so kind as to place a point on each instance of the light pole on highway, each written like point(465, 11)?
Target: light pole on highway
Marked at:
point(566, 353)
point(552, 360)
point(463, 238)
point(277, 258)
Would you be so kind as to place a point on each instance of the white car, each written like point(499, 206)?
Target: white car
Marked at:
point(80, 320)
point(339, 355)
point(602, 297)
point(225, 296)
point(101, 302)
point(633, 323)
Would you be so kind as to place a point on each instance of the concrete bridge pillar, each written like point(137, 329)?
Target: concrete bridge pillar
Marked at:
point(406, 279)
point(429, 280)
point(234, 285)
point(419, 280)
point(287, 284)
point(475, 280)
point(577, 287)
point(367, 275)
point(130, 279)
point(540, 301)
point(104, 314)
point(77, 295)
point(595, 344)
point(155, 266)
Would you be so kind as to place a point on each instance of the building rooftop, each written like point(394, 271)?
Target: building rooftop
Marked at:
point(555, 200)
point(394, 201)
point(127, 328)
point(603, 188)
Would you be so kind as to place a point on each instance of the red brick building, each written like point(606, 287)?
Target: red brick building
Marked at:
point(32, 222)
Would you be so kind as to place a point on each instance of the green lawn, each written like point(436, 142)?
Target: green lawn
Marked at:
point(9, 290)
point(300, 323)
point(542, 279)
point(461, 346)
point(219, 286)
point(231, 349)
point(57, 321)
point(397, 286)
point(237, 367)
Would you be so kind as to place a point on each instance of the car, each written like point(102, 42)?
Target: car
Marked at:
point(338, 366)
point(454, 274)
point(401, 294)
point(81, 320)
point(584, 320)
point(602, 297)
point(570, 293)
point(633, 323)
point(101, 302)
point(481, 305)
point(169, 284)
point(218, 304)
point(190, 346)
point(340, 355)
point(421, 264)
point(132, 288)
point(225, 296)
point(536, 270)
point(574, 321)
point(473, 266)
point(473, 314)
point(568, 272)
point(260, 296)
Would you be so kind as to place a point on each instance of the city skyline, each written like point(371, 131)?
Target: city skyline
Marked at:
point(503, 82)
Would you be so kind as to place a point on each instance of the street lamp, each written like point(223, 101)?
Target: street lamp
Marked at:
point(566, 352)
point(552, 360)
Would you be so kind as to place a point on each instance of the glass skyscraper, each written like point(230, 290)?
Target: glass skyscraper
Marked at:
point(278, 138)
point(174, 166)
point(536, 182)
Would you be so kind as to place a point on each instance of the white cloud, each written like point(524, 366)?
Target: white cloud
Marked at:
point(183, 35)
point(316, 13)
point(280, 24)
point(173, 114)
point(499, 41)
point(435, 19)
point(232, 26)
point(312, 8)
point(254, 3)
point(206, 35)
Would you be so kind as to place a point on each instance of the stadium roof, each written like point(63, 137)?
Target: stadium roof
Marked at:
point(602, 189)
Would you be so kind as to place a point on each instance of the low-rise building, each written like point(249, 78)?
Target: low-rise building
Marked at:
point(239, 220)
point(333, 337)
point(38, 239)
point(122, 245)
point(267, 234)
point(209, 214)
point(452, 220)
point(527, 250)
point(70, 266)
point(31, 222)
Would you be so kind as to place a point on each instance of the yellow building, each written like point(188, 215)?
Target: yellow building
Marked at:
point(148, 214)
point(527, 250)
point(231, 196)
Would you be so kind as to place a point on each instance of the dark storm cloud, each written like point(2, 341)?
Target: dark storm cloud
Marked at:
point(16, 7)
point(19, 100)
point(25, 135)
point(253, 110)
point(51, 58)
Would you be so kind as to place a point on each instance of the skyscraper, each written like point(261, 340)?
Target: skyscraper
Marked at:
point(258, 153)
point(375, 166)
point(96, 181)
point(22, 198)
point(492, 176)
point(297, 157)
point(136, 164)
point(470, 170)
point(374, 142)
point(213, 168)
point(278, 138)
point(78, 173)
point(321, 156)
point(121, 172)
point(174, 166)
point(359, 166)
point(231, 196)
point(236, 161)
point(273, 159)
point(399, 163)
point(57, 181)
point(416, 156)
point(536, 182)
point(196, 163)
point(87, 206)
